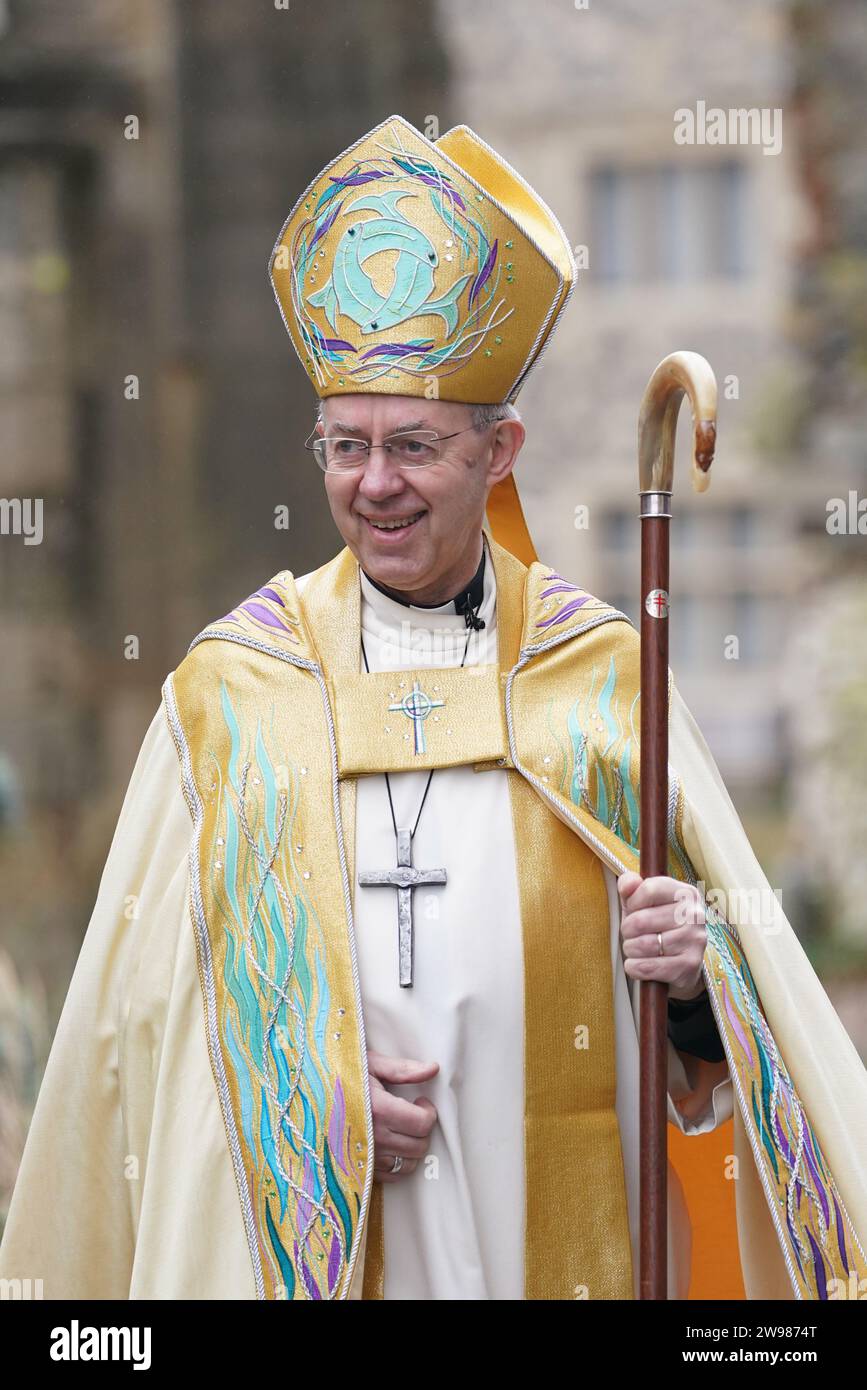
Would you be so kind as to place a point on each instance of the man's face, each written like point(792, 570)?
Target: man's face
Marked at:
point(429, 560)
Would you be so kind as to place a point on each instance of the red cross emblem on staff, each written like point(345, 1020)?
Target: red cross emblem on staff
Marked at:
point(656, 603)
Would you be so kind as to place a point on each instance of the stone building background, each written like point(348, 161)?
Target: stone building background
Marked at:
point(147, 258)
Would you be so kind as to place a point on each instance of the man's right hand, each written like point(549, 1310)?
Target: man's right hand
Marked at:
point(399, 1126)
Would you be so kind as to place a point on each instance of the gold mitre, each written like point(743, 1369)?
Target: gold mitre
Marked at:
point(412, 267)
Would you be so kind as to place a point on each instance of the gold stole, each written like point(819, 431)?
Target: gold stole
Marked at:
point(273, 723)
point(576, 1236)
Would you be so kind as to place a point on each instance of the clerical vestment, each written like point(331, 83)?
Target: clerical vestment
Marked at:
point(208, 1082)
point(456, 1228)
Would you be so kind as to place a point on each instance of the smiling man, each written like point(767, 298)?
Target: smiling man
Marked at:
point(416, 529)
point(368, 1028)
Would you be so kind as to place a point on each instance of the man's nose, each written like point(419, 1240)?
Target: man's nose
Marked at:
point(380, 475)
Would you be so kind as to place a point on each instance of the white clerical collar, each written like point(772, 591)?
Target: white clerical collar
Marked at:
point(379, 613)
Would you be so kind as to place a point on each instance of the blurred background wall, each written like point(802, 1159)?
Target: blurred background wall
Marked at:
point(149, 395)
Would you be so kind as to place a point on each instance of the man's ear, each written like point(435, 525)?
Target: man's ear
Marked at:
point(508, 438)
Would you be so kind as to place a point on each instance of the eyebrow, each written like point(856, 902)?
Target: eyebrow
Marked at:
point(411, 425)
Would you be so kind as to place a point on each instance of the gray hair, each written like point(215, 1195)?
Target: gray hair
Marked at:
point(482, 415)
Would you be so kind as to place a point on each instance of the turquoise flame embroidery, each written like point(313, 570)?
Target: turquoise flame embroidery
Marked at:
point(273, 1026)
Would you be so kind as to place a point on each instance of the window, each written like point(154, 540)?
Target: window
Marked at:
point(743, 527)
point(620, 530)
point(745, 626)
point(669, 222)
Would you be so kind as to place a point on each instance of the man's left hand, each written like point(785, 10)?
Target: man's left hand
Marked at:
point(676, 911)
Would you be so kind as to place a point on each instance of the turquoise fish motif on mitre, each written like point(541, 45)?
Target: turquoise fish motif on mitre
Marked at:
point(350, 290)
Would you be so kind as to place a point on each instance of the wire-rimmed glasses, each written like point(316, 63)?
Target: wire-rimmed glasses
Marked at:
point(339, 453)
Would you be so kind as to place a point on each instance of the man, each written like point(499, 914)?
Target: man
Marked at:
point(424, 563)
point(354, 1016)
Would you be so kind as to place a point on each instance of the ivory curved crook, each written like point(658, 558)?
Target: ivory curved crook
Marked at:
point(679, 374)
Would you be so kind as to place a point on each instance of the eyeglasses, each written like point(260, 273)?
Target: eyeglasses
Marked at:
point(411, 449)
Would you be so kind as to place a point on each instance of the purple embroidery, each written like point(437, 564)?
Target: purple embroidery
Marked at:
point(484, 272)
point(260, 613)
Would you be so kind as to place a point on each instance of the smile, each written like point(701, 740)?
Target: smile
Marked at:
point(383, 528)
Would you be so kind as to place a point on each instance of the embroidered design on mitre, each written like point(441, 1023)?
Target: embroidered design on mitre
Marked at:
point(409, 263)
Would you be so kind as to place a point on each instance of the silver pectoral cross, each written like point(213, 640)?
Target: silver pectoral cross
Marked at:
point(404, 878)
